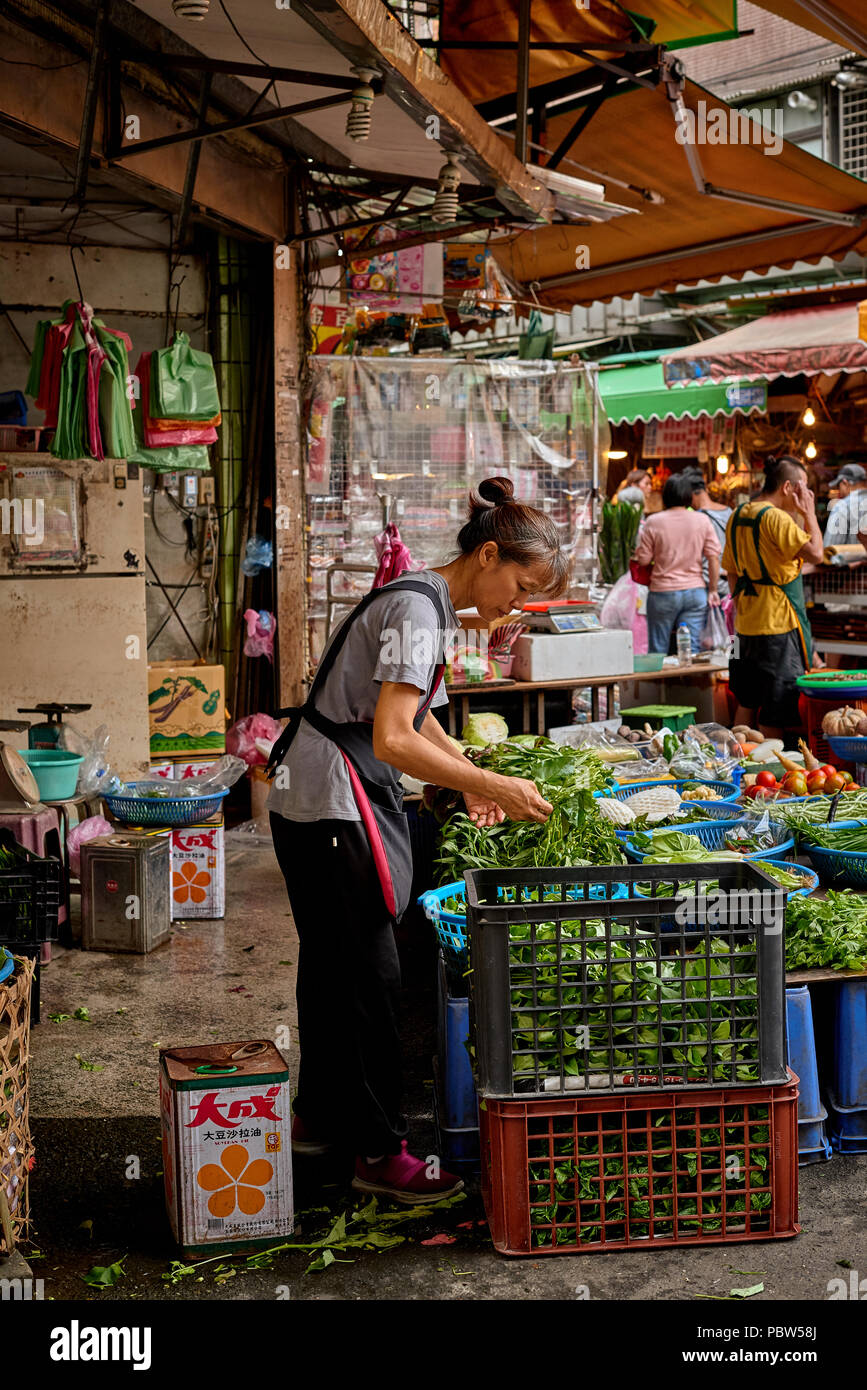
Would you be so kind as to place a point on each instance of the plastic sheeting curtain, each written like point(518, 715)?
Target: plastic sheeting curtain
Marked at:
point(405, 441)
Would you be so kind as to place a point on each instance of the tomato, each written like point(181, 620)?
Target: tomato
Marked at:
point(835, 783)
point(795, 783)
point(757, 793)
point(847, 778)
point(828, 770)
point(816, 781)
point(766, 779)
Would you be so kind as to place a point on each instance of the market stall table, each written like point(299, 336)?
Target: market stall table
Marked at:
point(526, 689)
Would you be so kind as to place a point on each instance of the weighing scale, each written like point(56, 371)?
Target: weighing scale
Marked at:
point(47, 735)
point(569, 615)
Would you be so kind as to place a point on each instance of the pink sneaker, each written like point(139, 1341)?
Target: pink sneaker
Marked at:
point(303, 1142)
point(404, 1178)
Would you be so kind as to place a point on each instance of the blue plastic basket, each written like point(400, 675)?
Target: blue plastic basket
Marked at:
point(813, 1146)
point(7, 964)
point(811, 883)
point(451, 927)
point(165, 811)
point(711, 833)
point(852, 750)
point(776, 852)
point(727, 790)
point(846, 868)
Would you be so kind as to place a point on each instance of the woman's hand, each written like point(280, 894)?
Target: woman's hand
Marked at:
point(482, 810)
point(713, 598)
point(522, 800)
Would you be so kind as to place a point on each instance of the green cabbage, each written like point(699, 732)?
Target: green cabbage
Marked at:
point(481, 730)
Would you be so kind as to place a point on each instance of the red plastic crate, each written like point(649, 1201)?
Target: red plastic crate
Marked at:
point(633, 1172)
point(812, 713)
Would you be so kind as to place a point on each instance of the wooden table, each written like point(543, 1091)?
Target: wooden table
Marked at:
point(527, 689)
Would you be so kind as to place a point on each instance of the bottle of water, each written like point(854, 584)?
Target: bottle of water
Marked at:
point(684, 645)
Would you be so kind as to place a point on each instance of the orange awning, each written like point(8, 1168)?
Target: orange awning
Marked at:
point(841, 21)
point(796, 207)
point(483, 74)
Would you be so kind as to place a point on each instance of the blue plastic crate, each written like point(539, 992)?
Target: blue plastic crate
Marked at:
point(456, 1103)
point(813, 1146)
point(848, 1125)
point(850, 1044)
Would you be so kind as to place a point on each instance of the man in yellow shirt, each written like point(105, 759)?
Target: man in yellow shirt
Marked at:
point(765, 550)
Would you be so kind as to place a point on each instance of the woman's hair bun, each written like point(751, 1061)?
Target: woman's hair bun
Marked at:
point(770, 463)
point(492, 492)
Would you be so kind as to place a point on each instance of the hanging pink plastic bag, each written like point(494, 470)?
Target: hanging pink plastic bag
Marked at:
point(621, 610)
point(243, 737)
point(89, 829)
point(261, 627)
point(728, 611)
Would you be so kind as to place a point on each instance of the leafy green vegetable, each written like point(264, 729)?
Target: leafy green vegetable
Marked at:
point(829, 931)
point(105, 1276)
point(673, 847)
point(483, 729)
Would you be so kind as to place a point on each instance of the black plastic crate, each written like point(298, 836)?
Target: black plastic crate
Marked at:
point(29, 895)
point(679, 983)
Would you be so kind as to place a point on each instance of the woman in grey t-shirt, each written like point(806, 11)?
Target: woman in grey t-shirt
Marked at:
point(341, 840)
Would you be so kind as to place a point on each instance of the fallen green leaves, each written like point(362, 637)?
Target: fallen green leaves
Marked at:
point(366, 1228)
point(87, 1066)
point(105, 1276)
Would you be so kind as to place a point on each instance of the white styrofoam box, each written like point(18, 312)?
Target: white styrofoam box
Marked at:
point(545, 656)
point(199, 871)
point(192, 767)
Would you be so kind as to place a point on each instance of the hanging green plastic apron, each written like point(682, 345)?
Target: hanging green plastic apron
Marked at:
point(794, 590)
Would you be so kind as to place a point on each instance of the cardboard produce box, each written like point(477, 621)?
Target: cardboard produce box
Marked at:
point(187, 709)
point(199, 871)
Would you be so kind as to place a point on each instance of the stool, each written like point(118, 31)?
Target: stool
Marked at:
point(72, 813)
point(39, 831)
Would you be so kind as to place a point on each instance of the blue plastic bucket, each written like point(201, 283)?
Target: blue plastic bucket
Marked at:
point(55, 770)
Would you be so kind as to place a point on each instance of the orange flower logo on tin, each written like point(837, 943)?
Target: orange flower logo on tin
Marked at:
point(235, 1181)
point(190, 883)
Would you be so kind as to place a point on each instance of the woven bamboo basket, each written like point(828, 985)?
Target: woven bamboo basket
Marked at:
point(16, 1146)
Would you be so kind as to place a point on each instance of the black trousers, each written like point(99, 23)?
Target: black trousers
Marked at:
point(349, 1081)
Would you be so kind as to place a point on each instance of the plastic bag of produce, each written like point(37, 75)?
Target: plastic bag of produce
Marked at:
point(715, 634)
point(89, 829)
point(244, 736)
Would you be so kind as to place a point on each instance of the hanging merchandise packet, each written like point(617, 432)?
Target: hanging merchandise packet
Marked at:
point(183, 382)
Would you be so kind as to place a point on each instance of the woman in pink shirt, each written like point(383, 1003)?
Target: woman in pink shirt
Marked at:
point(674, 542)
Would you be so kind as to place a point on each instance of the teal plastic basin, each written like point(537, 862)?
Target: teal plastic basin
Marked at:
point(55, 770)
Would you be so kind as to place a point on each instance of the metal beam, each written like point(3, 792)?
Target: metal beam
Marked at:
point(577, 85)
point(337, 228)
point(91, 99)
point(585, 116)
point(522, 85)
point(615, 46)
point(840, 219)
point(192, 166)
point(277, 113)
point(201, 63)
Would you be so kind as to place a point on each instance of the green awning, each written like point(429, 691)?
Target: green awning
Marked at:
point(638, 391)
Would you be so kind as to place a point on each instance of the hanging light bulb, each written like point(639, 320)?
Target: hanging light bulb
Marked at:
point(811, 450)
point(191, 9)
point(722, 463)
point(445, 204)
point(361, 111)
point(618, 454)
point(808, 418)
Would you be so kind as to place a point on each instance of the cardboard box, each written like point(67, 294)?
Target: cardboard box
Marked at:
point(198, 879)
point(187, 709)
point(227, 1154)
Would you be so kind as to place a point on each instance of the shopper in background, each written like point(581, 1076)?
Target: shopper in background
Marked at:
point(766, 548)
point(675, 542)
point(717, 515)
point(636, 487)
point(848, 515)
